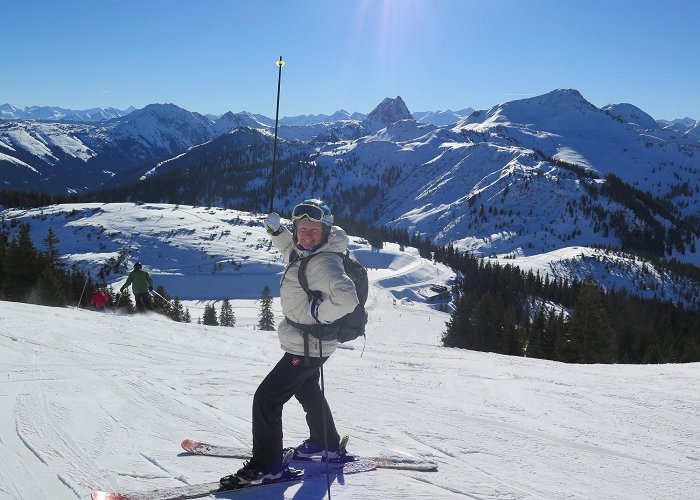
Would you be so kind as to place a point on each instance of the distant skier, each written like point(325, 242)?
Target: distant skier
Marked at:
point(141, 284)
point(99, 300)
point(297, 374)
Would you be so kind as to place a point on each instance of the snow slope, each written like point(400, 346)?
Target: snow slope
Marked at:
point(98, 400)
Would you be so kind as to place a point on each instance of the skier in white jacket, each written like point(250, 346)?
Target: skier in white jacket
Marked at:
point(297, 373)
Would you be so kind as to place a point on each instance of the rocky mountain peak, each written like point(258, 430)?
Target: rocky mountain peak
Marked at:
point(387, 112)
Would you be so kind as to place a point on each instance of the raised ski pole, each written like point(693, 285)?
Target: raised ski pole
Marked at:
point(279, 63)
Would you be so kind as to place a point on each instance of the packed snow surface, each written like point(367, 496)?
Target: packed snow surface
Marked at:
point(99, 400)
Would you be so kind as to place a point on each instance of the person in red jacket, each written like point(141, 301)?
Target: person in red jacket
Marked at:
point(99, 300)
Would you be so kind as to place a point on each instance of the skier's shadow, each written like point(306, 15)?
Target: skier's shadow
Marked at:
point(316, 488)
point(313, 488)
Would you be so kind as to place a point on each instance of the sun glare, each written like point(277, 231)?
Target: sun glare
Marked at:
point(393, 25)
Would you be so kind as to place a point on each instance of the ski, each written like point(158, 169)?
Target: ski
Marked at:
point(206, 489)
point(396, 462)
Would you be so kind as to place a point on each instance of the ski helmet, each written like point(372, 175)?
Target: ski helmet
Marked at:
point(137, 265)
point(314, 210)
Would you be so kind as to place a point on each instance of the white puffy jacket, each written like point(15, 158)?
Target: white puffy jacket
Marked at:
point(324, 273)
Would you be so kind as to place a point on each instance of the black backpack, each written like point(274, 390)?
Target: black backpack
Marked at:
point(352, 325)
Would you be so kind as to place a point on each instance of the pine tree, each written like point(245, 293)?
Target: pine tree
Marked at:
point(52, 288)
point(460, 330)
point(590, 328)
point(536, 343)
point(227, 316)
point(21, 265)
point(454, 336)
point(209, 317)
point(267, 319)
point(52, 254)
point(176, 311)
point(186, 317)
point(554, 336)
point(3, 248)
point(162, 302)
point(509, 340)
point(487, 320)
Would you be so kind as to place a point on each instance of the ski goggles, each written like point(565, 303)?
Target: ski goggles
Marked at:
point(313, 213)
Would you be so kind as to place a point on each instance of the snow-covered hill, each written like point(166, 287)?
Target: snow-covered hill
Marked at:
point(612, 271)
point(181, 246)
point(197, 253)
point(98, 400)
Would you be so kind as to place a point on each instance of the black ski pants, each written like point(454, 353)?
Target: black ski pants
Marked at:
point(143, 301)
point(290, 377)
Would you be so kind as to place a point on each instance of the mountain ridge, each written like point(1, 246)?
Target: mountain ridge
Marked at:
point(524, 177)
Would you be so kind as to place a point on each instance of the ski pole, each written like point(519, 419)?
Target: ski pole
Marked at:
point(325, 426)
point(84, 286)
point(116, 305)
point(279, 63)
point(159, 295)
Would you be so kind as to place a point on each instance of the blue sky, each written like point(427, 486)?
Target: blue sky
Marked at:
point(216, 56)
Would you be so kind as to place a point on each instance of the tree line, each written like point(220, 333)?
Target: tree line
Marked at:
point(509, 311)
point(500, 308)
point(28, 274)
point(34, 276)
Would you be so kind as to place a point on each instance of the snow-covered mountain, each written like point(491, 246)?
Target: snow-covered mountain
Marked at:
point(230, 121)
point(684, 122)
point(339, 115)
point(564, 126)
point(389, 111)
point(525, 177)
point(631, 114)
point(54, 113)
point(75, 157)
point(101, 401)
point(442, 118)
point(66, 157)
point(243, 143)
point(163, 127)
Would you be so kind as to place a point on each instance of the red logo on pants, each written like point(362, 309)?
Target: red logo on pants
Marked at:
point(295, 361)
